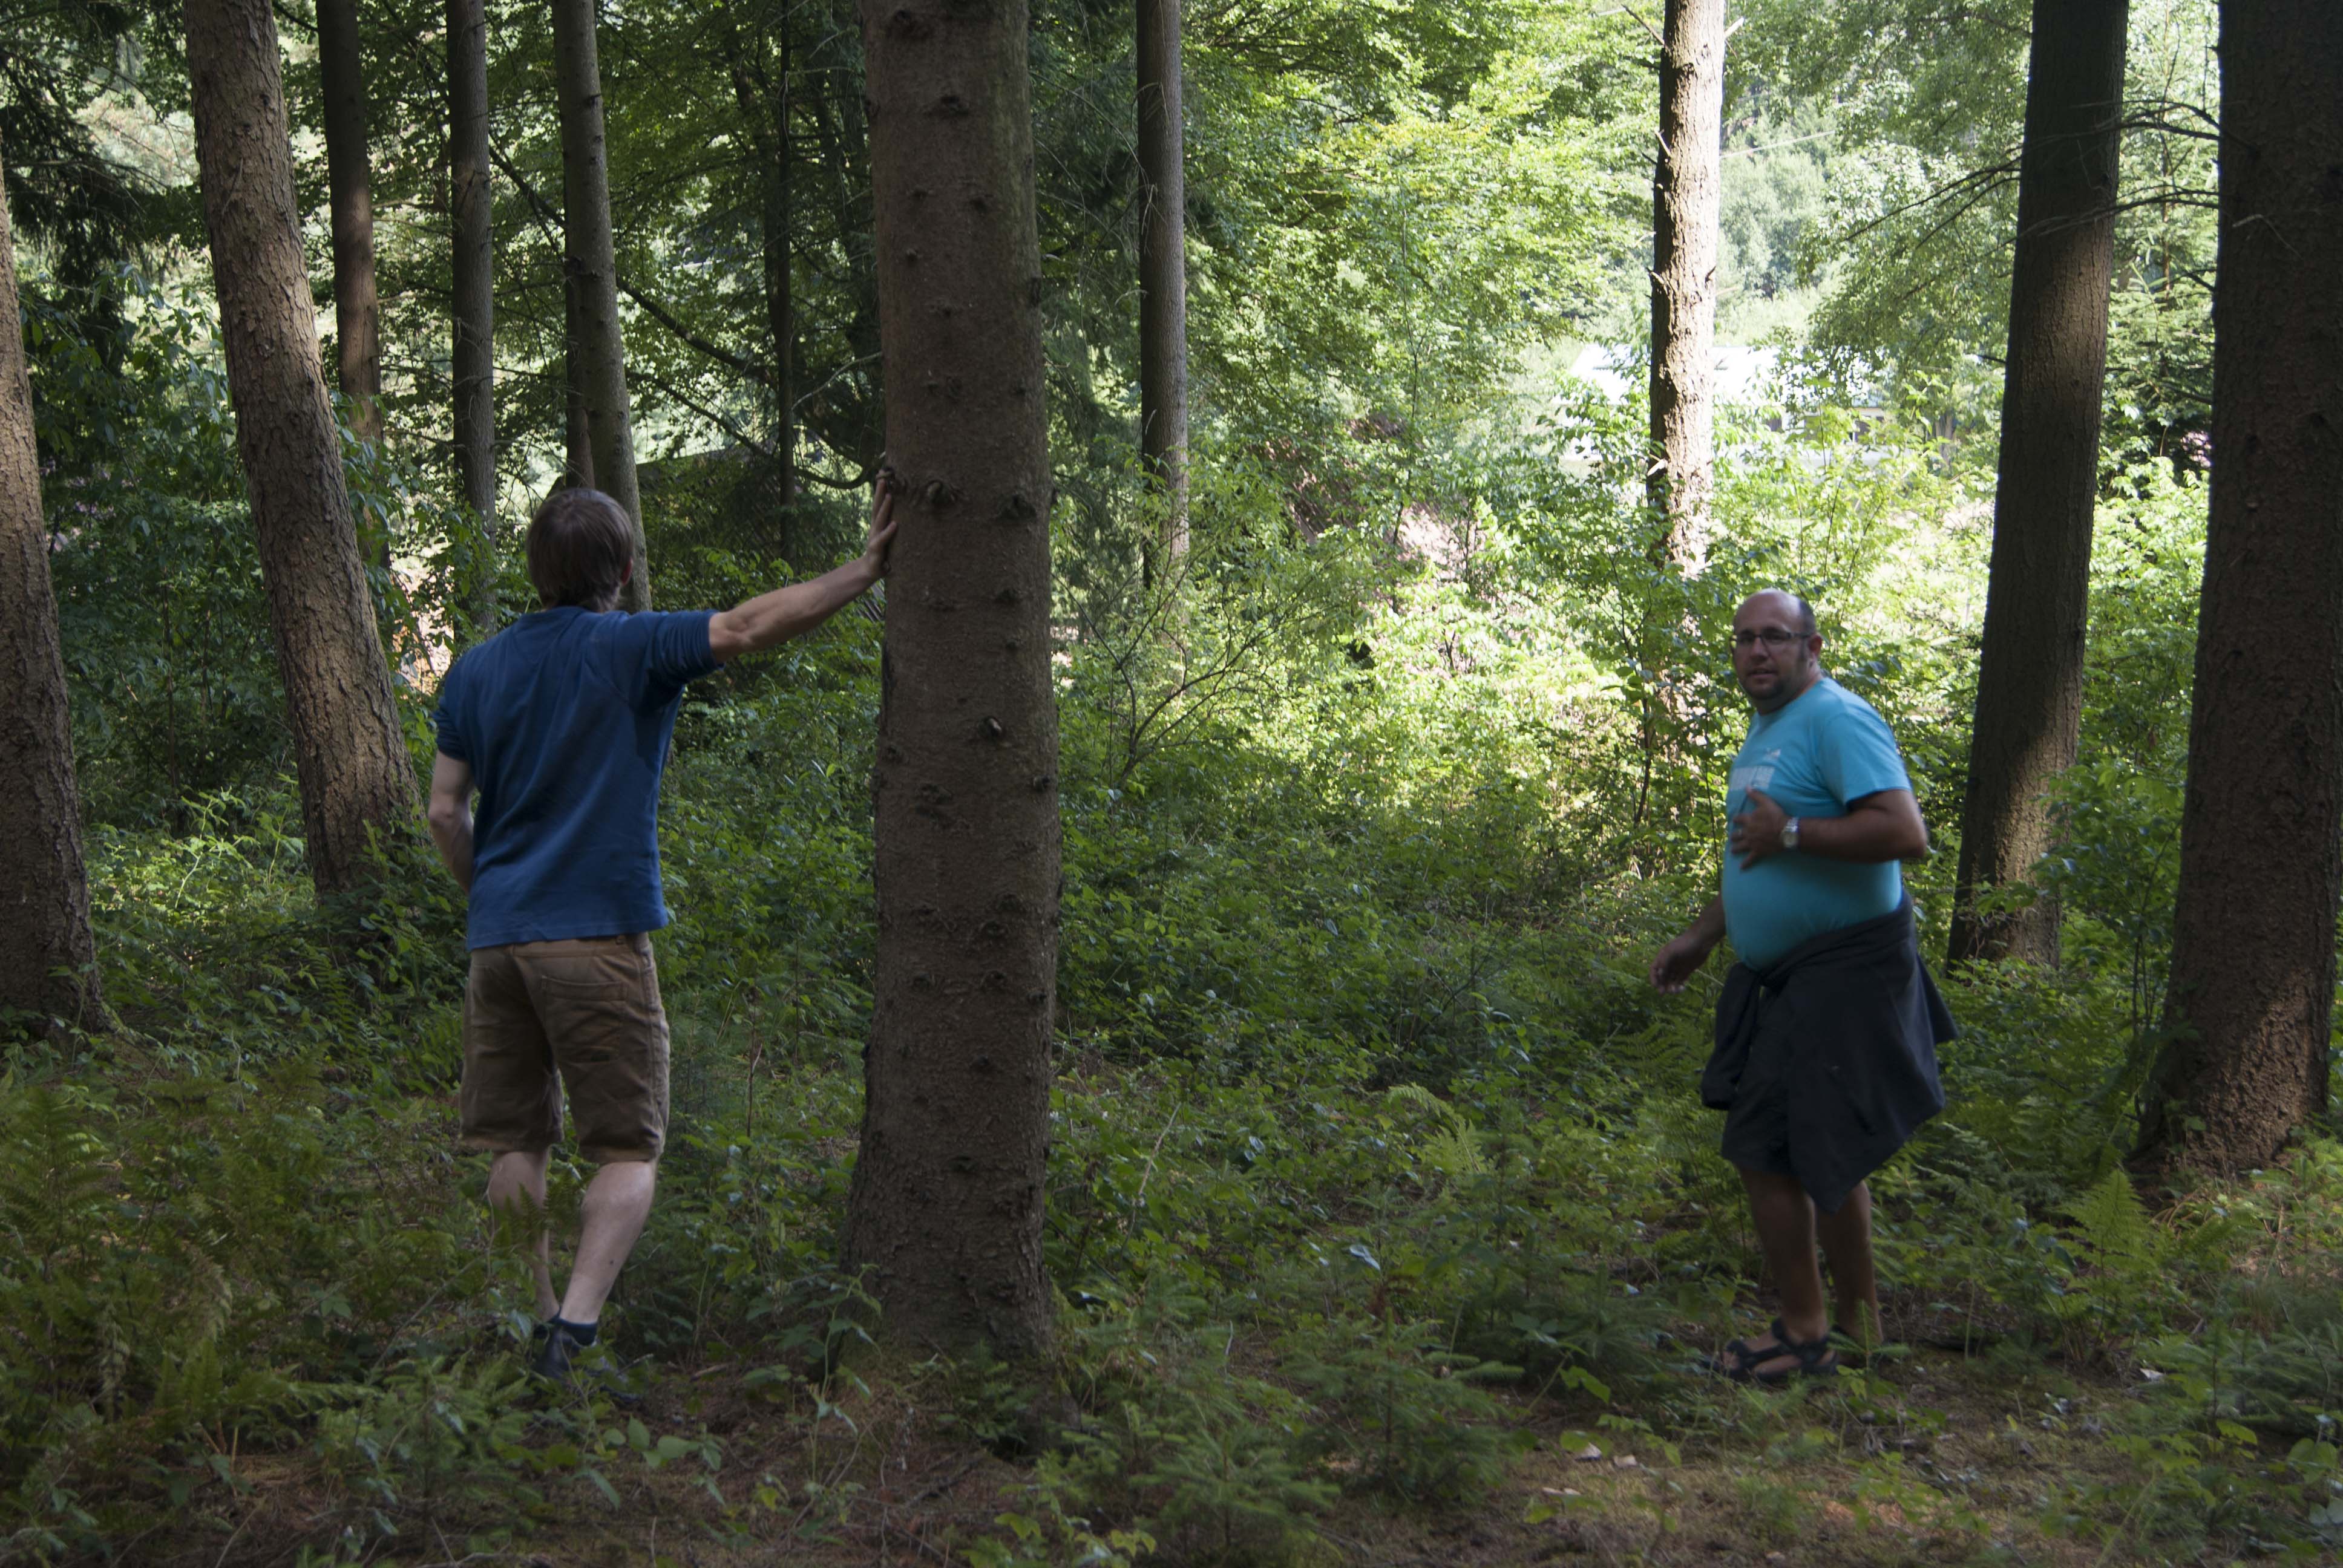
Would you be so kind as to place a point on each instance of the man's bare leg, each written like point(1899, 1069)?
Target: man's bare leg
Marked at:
point(1855, 1282)
point(516, 1187)
point(1784, 1218)
point(618, 1203)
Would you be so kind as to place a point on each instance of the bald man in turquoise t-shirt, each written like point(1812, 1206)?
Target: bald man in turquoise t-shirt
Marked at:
point(1827, 1025)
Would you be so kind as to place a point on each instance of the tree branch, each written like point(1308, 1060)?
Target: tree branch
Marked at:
point(548, 214)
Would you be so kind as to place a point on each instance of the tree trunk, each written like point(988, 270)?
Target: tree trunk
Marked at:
point(358, 333)
point(577, 451)
point(781, 319)
point(780, 316)
point(763, 98)
point(597, 359)
point(470, 200)
point(2261, 856)
point(350, 183)
point(349, 751)
point(849, 415)
point(1162, 268)
point(2029, 705)
point(945, 1212)
point(1687, 194)
point(48, 961)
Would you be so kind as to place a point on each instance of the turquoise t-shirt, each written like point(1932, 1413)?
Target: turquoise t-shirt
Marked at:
point(1824, 749)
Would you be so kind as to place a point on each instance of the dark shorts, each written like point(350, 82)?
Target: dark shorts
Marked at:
point(1825, 1065)
point(583, 1015)
point(1757, 1123)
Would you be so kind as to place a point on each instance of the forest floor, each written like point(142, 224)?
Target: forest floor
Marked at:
point(1320, 1409)
point(1933, 1455)
point(1440, 1297)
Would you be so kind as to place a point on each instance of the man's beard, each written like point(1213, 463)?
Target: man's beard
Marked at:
point(1783, 678)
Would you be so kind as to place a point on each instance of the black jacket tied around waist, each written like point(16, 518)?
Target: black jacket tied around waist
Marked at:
point(1844, 1028)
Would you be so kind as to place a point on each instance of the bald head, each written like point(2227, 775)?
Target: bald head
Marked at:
point(1793, 611)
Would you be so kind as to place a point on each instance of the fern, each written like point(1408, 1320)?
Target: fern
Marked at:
point(2114, 1229)
point(54, 1176)
point(1454, 1147)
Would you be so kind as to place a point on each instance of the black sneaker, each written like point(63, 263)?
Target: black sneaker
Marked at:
point(557, 1356)
point(553, 1349)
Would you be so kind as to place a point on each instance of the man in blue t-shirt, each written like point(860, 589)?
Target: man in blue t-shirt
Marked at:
point(560, 724)
point(1828, 1026)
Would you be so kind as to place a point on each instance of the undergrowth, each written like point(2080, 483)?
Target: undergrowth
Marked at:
point(1374, 1166)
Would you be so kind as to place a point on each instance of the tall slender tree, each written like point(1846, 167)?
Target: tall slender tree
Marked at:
point(48, 960)
point(780, 316)
point(350, 183)
point(945, 1212)
point(846, 407)
point(471, 203)
point(761, 65)
point(2261, 833)
point(1163, 266)
point(1687, 203)
point(578, 431)
point(349, 751)
point(2029, 704)
point(598, 356)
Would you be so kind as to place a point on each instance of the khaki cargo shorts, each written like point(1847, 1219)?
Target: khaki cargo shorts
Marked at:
point(583, 1013)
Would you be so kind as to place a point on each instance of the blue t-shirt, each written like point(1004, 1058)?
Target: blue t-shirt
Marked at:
point(1814, 755)
point(565, 718)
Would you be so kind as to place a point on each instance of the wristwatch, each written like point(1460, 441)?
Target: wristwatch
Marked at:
point(1790, 834)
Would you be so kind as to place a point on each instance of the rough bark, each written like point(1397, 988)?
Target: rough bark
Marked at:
point(2029, 704)
point(945, 1212)
point(470, 201)
point(48, 961)
point(349, 182)
point(1162, 268)
point(2261, 856)
point(1687, 194)
point(598, 357)
point(348, 752)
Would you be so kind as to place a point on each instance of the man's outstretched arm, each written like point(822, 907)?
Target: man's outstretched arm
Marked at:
point(450, 815)
point(773, 618)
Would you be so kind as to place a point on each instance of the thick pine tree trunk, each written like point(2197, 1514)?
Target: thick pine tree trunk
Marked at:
point(1688, 196)
point(1162, 268)
point(470, 202)
point(348, 750)
point(946, 1208)
point(349, 180)
point(598, 358)
point(48, 962)
point(2261, 858)
point(2029, 705)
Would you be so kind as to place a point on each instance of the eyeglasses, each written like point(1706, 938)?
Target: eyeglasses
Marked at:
point(1774, 637)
